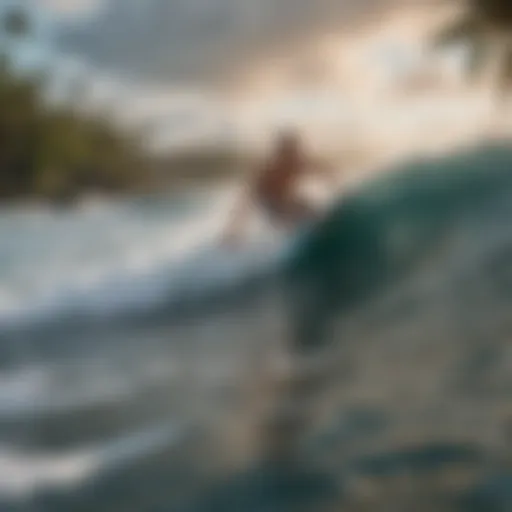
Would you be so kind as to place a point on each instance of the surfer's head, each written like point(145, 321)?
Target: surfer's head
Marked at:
point(289, 142)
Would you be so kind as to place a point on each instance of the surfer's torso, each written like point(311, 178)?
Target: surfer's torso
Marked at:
point(277, 189)
point(279, 179)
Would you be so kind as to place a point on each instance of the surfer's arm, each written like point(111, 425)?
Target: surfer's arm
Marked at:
point(324, 168)
point(239, 216)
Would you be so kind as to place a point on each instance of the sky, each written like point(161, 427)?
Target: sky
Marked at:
point(198, 44)
point(198, 40)
point(211, 70)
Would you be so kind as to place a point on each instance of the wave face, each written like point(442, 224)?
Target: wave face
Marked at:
point(123, 327)
point(114, 398)
point(426, 221)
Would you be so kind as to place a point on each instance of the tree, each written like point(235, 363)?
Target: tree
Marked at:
point(60, 151)
point(485, 27)
point(16, 23)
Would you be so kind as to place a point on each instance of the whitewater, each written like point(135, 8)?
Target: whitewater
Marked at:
point(403, 292)
point(103, 258)
point(82, 390)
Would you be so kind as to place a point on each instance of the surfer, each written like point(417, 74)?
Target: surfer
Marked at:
point(274, 188)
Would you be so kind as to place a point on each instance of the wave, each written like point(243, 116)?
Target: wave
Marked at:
point(431, 233)
point(104, 260)
point(27, 474)
point(428, 220)
point(43, 389)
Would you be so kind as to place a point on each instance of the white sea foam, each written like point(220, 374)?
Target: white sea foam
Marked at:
point(107, 258)
point(25, 474)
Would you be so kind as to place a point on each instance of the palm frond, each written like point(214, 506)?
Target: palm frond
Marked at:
point(16, 22)
point(461, 31)
point(484, 29)
point(479, 55)
point(495, 13)
point(505, 74)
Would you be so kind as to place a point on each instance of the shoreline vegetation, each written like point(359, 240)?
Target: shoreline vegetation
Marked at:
point(58, 153)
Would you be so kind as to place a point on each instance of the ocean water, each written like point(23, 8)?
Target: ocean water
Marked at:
point(142, 364)
point(120, 323)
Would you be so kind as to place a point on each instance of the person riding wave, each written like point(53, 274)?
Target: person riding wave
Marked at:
point(274, 188)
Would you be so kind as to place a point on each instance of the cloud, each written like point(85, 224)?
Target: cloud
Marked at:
point(72, 8)
point(173, 40)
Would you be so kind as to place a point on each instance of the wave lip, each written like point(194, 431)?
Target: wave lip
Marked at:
point(203, 274)
point(114, 261)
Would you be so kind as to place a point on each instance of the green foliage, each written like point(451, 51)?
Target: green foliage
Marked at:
point(55, 152)
point(495, 13)
point(465, 28)
point(16, 23)
point(505, 79)
point(58, 153)
point(485, 25)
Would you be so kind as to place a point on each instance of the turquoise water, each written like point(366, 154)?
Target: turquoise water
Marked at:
point(137, 354)
point(105, 311)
